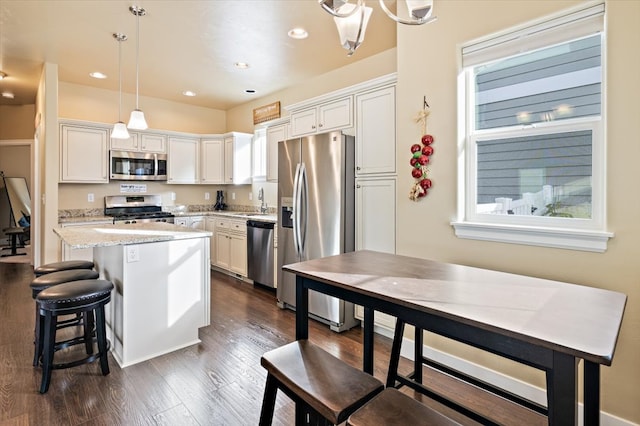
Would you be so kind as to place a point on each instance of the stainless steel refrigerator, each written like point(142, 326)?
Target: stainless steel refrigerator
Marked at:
point(316, 215)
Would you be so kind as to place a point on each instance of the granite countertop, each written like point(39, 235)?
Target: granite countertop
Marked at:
point(232, 214)
point(110, 235)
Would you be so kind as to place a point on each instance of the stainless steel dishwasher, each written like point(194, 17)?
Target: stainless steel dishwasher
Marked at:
point(260, 252)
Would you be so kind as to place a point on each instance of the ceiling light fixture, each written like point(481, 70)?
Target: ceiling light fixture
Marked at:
point(98, 74)
point(352, 18)
point(241, 65)
point(3, 75)
point(137, 121)
point(119, 129)
point(189, 93)
point(298, 33)
point(8, 95)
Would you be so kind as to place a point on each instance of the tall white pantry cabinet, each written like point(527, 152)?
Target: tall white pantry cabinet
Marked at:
point(376, 178)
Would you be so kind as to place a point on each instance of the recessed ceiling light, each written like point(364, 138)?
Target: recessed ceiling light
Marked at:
point(7, 95)
point(98, 75)
point(298, 33)
point(189, 93)
point(241, 65)
point(250, 91)
point(3, 75)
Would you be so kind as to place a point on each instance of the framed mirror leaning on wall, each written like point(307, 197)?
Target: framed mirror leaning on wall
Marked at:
point(16, 205)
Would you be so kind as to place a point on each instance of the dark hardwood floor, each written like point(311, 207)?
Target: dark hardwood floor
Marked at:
point(217, 382)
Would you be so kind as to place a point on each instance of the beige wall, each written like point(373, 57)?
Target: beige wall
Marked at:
point(241, 118)
point(427, 66)
point(16, 121)
point(91, 104)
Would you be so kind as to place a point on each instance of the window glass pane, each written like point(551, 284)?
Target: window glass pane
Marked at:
point(555, 83)
point(539, 175)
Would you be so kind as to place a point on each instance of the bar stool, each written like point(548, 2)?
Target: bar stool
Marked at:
point(52, 279)
point(14, 233)
point(393, 408)
point(65, 265)
point(86, 297)
point(321, 385)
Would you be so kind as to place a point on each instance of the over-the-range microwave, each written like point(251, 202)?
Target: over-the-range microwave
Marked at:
point(128, 165)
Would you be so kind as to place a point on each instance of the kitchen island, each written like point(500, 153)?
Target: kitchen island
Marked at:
point(162, 284)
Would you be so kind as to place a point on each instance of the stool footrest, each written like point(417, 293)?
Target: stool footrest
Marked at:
point(86, 360)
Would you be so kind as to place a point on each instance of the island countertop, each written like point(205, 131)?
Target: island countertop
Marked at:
point(125, 234)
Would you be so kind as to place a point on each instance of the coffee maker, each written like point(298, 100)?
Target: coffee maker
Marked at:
point(220, 205)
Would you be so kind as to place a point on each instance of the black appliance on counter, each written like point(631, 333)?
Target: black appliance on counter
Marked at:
point(220, 205)
point(136, 209)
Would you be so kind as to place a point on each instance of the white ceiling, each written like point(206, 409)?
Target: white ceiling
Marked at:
point(184, 45)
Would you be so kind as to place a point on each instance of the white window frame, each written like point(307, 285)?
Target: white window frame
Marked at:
point(566, 233)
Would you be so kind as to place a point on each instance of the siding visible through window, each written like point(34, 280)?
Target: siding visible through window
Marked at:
point(561, 82)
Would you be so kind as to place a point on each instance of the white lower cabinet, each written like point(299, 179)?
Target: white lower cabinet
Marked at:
point(230, 237)
point(376, 227)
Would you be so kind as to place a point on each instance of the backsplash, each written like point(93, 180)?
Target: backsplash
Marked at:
point(191, 208)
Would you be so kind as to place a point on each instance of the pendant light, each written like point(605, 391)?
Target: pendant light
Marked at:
point(137, 121)
point(119, 129)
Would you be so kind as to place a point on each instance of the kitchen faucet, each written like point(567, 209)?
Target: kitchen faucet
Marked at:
point(263, 205)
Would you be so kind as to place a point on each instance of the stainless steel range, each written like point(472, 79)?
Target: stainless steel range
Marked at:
point(136, 209)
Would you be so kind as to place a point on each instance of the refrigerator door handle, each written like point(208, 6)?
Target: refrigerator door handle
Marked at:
point(296, 212)
point(304, 196)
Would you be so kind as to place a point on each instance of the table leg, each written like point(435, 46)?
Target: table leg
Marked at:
point(302, 309)
point(367, 341)
point(562, 393)
point(591, 393)
point(417, 356)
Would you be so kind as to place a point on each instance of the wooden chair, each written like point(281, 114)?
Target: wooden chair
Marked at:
point(323, 386)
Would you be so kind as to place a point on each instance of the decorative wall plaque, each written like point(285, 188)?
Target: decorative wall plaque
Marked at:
point(266, 112)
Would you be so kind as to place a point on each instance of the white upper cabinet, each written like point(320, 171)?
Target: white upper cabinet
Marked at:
point(84, 155)
point(183, 160)
point(212, 160)
point(275, 134)
point(322, 118)
point(237, 158)
point(143, 142)
point(376, 132)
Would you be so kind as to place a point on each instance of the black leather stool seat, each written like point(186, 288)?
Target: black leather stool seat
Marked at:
point(63, 266)
point(320, 384)
point(86, 297)
point(54, 278)
point(393, 408)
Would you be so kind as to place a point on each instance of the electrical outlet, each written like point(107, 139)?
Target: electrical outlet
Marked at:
point(207, 196)
point(233, 195)
point(133, 254)
point(250, 196)
point(173, 196)
point(90, 198)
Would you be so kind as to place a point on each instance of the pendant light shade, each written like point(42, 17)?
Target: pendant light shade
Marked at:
point(352, 18)
point(119, 129)
point(352, 27)
point(137, 120)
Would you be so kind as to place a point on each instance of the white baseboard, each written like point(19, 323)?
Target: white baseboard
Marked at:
point(508, 383)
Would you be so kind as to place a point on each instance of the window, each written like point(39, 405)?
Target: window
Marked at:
point(532, 123)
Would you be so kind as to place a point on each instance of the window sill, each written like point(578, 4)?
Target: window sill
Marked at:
point(570, 239)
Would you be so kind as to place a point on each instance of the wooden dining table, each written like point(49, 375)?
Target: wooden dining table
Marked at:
point(548, 325)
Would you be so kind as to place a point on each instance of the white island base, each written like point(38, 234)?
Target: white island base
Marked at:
point(161, 296)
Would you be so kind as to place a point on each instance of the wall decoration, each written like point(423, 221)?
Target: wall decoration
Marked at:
point(421, 156)
point(266, 112)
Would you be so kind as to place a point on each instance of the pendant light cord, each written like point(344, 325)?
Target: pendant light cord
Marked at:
point(120, 78)
point(137, 54)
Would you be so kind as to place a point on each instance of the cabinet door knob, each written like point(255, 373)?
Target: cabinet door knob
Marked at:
point(358, 168)
point(320, 125)
point(313, 127)
point(358, 186)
